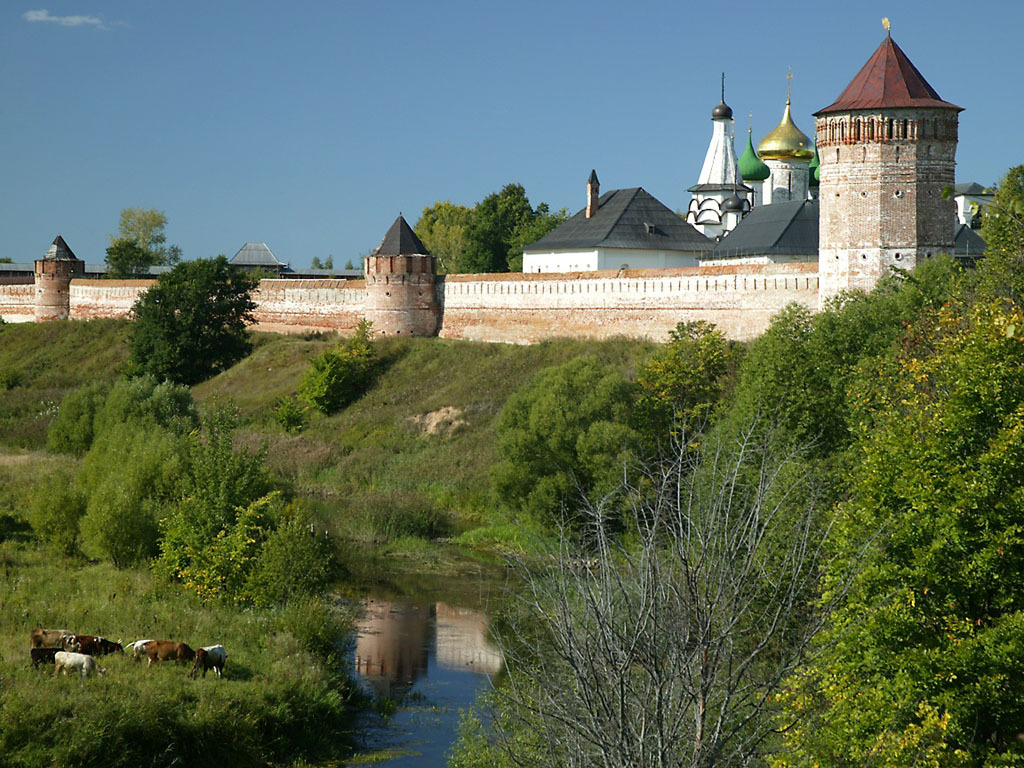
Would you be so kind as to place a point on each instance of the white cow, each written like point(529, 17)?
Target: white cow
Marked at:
point(67, 662)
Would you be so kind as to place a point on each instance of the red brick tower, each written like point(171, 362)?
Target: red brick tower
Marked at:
point(53, 274)
point(401, 296)
point(887, 147)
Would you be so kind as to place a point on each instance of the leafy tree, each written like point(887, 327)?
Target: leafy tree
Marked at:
point(140, 243)
point(922, 662)
point(191, 323)
point(679, 385)
point(73, 428)
point(442, 228)
point(294, 562)
point(145, 402)
point(55, 510)
point(500, 225)
point(564, 434)
point(328, 263)
point(1002, 227)
point(338, 376)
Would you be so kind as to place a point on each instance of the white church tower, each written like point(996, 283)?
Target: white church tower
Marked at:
point(719, 178)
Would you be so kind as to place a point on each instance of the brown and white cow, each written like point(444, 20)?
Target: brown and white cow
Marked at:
point(168, 650)
point(94, 645)
point(209, 657)
point(48, 638)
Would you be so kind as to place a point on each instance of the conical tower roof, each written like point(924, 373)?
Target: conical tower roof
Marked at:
point(786, 141)
point(751, 166)
point(400, 240)
point(888, 80)
point(59, 251)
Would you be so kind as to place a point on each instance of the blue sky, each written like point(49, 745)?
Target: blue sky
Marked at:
point(311, 125)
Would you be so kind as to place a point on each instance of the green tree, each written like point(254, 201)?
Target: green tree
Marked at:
point(679, 385)
point(563, 435)
point(923, 660)
point(1002, 227)
point(140, 243)
point(73, 429)
point(442, 228)
point(338, 376)
point(56, 507)
point(501, 224)
point(327, 263)
point(191, 323)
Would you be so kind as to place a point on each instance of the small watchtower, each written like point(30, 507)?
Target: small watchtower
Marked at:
point(401, 298)
point(53, 275)
point(887, 147)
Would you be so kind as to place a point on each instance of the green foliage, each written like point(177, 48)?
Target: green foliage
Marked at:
point(442, 228)
point(55, 511)
point(927, 648)
point(126, 259)
point(798, 371)
point(191, 324)
point(679, 385)
point(341, 375)
point(131, 473)
point(143, 228)
point(72, 430)
point(290, 414)
point(145, 402)
point(500, 225)
point(396, 514)
point(1002, 227)
point(327, 263)
point(563, 436)
point(295, 562)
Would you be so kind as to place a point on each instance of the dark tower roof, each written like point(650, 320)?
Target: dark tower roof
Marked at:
point(889, 79)
point(59, 251)
point(400, 240)
point(593, 178)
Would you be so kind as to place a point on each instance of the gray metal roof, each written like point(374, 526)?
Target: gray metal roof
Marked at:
point(970, 188)
point(400, 240)
point(780, 229)
point(968, 242)
point(256, 255)
point(626, 218)
point(59, 251)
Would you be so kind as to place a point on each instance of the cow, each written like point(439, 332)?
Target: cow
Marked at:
point(138, 648)
point(168, 650)
point(209, 657)
point(48, 638)
point(68, 662)
point(43, 655)
point(94, 645)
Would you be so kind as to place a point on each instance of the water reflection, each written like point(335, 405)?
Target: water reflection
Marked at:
point(396, 641)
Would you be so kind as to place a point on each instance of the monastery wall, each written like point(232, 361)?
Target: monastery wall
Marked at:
point(296, 306)
point(17, 299)
point(105, 298)
point(516, 308)
point(526, 308)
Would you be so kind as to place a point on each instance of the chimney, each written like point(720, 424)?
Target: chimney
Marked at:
point(593, 193)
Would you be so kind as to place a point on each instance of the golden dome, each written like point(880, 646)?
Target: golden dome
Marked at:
point(786, 142)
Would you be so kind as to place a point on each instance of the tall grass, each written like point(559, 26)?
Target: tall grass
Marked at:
point(284, 698)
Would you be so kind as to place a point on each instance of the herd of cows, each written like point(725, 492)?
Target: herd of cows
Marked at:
point(74, 654)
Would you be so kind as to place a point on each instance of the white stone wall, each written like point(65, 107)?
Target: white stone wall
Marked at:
point(605, 259)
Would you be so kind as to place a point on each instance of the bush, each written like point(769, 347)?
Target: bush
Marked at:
point(74, 428)
point(290, 414)
point(341, 375)
point(145, 401)
point(395, 515)
point(295, 562)
point(54, 513)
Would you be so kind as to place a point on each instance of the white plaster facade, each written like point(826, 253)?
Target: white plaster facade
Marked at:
point(596, 259)
point(788, 181)
point(719, 178)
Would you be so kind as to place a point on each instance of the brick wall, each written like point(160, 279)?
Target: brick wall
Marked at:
point(105, 298)
point(296, 306)
point(17, 299)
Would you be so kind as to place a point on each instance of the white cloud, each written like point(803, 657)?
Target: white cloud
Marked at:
point(64, 21)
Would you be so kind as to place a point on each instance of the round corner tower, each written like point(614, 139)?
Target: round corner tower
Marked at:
point(401, 293)
point(887, 148)
point(53, 275)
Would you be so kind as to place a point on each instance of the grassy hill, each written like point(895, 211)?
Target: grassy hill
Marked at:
point(412, 456)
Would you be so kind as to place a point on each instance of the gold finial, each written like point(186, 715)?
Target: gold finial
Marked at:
point(789, 82)
point(886, 25)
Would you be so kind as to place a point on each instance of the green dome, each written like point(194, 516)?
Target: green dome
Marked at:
point(814, 168)
point(751, 167)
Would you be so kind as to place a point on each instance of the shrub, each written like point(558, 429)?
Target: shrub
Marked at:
point(73, 430)
point(398, 514)
point(54, 513)
point(290, 414)
point(341, 375)
point(144, 400)
point(295, 562)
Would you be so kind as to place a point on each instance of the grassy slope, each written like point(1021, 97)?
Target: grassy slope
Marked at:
point(373, 455)
point(40, 363)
